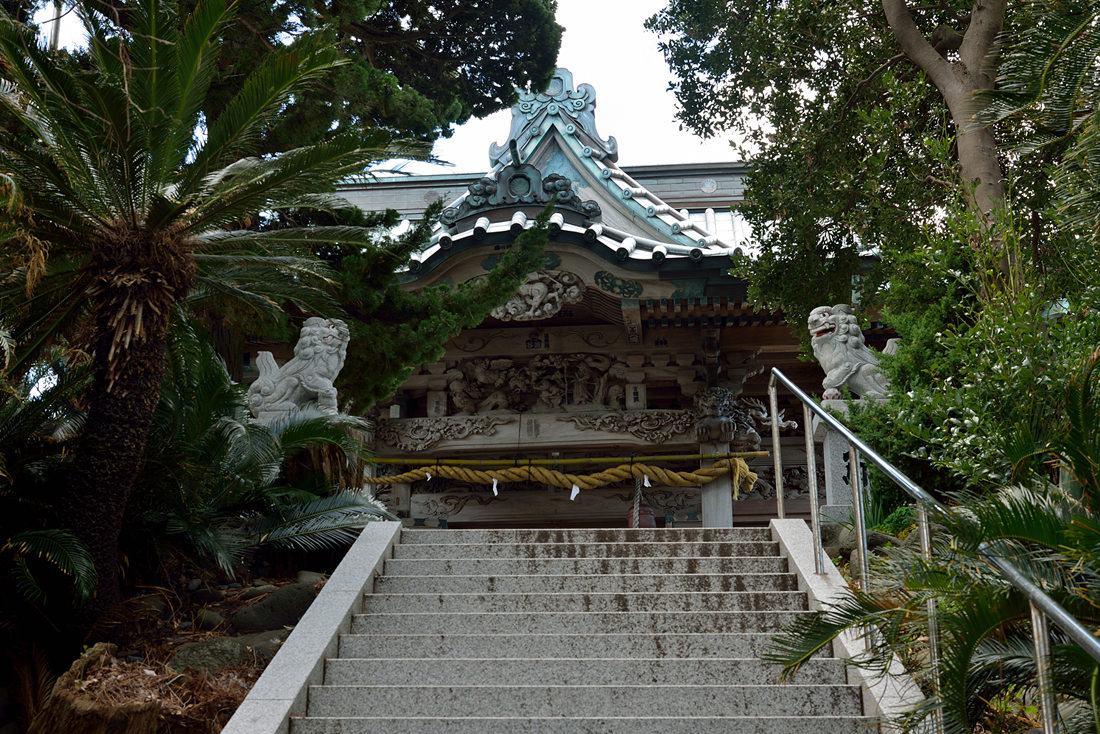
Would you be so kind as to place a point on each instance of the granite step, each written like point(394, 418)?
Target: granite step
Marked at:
point(827, 724)
point(592, 583)
point(629, 645)
point(585, 701)
point(591, 535)
point(586, 550)
point(602, 631)
point(584, 566)
point(492, 671)
point(592, 623)
point(738, 601)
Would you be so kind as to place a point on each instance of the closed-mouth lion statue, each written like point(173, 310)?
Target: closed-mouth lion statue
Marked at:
point(840, 349)
point(318, 358)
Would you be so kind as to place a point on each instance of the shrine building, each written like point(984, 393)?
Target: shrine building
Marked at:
point(631, 334)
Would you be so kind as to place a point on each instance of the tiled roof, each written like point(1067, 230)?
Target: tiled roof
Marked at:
point(562, 119)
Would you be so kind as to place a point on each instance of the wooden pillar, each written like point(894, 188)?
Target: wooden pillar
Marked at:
point(717, 494)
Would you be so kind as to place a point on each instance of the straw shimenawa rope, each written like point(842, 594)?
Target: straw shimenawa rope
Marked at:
point(741, 478)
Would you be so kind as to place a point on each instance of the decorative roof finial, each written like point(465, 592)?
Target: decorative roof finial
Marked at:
point(573, 113)
point(515, 152)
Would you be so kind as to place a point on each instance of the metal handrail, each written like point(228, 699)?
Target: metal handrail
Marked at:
point(1043, 607)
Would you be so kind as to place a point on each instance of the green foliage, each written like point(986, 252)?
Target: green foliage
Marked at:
point(37, 426)
point(393, 330)
point(853, 149)
point(140, 111)
point(1050, 89)
point(39, 420)
point(997, 305)
point(7, 346)
point(1051, 532)
point(989, 370)
point(840, 129)
point(117, 209)
point(60, 549)
point(898, 521)
point(211, 487)
point(413, 68)
point(973, 366)
point(321, 523)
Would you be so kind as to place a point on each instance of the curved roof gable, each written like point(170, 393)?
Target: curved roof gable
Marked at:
point(553, 139)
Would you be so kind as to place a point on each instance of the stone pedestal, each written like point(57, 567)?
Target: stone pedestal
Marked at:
point(838, 492)
point(717, 494)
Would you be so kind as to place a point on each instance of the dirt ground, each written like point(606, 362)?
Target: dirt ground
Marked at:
point(147, 631)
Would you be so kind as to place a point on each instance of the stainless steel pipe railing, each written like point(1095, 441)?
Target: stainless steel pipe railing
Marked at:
point(1044, 609)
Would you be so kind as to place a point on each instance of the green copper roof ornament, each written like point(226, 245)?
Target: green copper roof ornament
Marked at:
point(573, 113)
point(519, 184)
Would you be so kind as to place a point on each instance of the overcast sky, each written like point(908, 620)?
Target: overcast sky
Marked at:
point(605, 45)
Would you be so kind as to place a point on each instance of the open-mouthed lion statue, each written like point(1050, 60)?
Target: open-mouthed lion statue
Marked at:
point(840, 349)
point(318, 358)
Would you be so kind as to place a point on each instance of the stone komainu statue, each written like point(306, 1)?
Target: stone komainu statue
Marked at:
point(840, 349)
point(308, 377)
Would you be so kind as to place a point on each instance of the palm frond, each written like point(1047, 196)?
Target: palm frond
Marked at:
point(196, 59)
point(59, 548)
point(883, 620)
point(43, 95)
point(294, 236)
point(324, 523)
point(40, 321)
point(212, 540)
point(233, 135)
point(314, 426)
point(1016, 513)
point(278, 182)
point(263, 283)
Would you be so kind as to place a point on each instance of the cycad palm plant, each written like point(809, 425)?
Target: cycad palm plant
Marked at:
point(1050, 531)
point(118, 208)
point(39, 424)
point(210, 489)
point(1049, 85)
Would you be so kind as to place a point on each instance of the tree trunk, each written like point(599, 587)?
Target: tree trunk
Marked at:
point(121, 403)
point(229, 345)
point(66, 711)
point(957, 82)
point(334, 465)
point(980, 166)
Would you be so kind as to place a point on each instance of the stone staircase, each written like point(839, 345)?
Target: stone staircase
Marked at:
point(563, 631)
